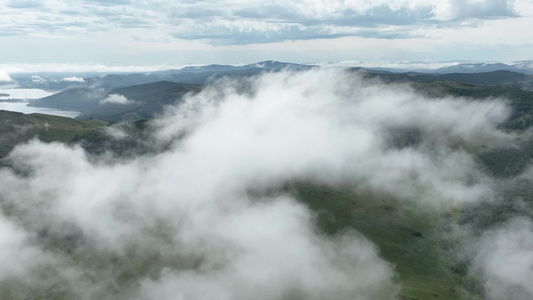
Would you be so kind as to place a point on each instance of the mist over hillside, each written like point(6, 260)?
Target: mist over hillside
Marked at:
point(214, 209)
point(268, 150)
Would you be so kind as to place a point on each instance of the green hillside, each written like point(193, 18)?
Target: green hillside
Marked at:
point(143, 101)
point(407, 238)
point(18, 127)
point(507, 78)
point(147, 101)
point(77, 99)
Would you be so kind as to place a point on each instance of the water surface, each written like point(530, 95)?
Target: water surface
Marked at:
point(24, 94)
point(23, 108)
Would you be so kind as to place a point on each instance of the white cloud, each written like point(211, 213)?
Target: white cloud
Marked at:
point(184, 33)
point(505, 257)
point(211, 238)
point(73, 79)
point(116, 99)
point(4, 76)
point(315, 128)
point(37, 79)
point(226, 22)
point(17, 256)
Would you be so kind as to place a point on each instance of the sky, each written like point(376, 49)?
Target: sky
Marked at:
point(178, 33)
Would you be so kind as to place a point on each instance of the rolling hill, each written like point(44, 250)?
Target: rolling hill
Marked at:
point(120, 104)
point(17, 127)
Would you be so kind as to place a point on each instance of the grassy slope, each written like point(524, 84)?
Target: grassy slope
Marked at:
point(421, 268)
point(150, 100)
point(494, 78)
point(147, 100)
point(16, 128)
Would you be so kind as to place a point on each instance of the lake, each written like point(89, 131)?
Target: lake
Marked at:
point(28, 94)
point(23, 108)
point(24, 94)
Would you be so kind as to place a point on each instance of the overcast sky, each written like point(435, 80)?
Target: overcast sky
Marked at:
point(147, 32)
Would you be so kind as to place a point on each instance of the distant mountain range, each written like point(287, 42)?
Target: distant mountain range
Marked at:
point(190, 75)
point(507, 78)
point(128, 97)
point(203, 74)
point(525, 67)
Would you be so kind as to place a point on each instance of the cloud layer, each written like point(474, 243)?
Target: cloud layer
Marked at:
point(238, 22)
point(206, 32)
point(505, 257)
point(4, 76)
point(116, 99)
point(199, 220)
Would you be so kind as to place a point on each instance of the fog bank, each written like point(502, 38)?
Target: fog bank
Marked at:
point(182, 224)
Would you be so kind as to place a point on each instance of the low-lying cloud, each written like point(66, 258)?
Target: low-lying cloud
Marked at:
point(38, 79)
point(73, 79)
point(342, 130)
point(505, 257)
point(116, 99)
point(5, 77)
point(183, 224)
